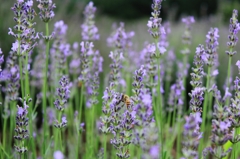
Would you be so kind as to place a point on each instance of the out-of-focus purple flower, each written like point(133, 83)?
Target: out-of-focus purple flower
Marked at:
point(58, 155)
point(234, 27)
point(154, 23)
point(221, 127)
point(238, 64)
point(51, 114)
point(154, 152)
point(191, 136)
point(46, 10)
point(186, 37)
point(86, 52)
point(89, 30)
point(175, 100)
point(60, 28)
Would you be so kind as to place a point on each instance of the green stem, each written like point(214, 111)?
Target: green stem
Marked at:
point(45, 91)
point(228, 75)
point(159, 101)
point(205, 103)
point(21, 76)
point(81, 103)
point(105, 146)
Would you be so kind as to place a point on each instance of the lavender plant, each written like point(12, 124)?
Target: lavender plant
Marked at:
point(140, 117)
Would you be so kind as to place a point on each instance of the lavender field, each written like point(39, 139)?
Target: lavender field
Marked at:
point(104, 89)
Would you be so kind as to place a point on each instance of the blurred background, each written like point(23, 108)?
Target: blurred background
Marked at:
point(135, 14)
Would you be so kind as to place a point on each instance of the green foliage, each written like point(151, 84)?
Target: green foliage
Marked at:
point(227, 8)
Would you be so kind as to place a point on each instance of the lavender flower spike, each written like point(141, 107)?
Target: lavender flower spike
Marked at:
point(60, 103)
point(191, 136)
point(154, 23)
point(234, 27)
point(46, 10)
point(89, 30)
point(21, 125)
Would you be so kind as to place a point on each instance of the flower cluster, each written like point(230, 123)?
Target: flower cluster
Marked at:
point(191, 136)
point(221, 128)
point(25, 33)
point(175, 100)
point(198, 70)
point(89, 30)
point(234, 27)
point(186, 37)
point(211, 46)
point(21, 125)
point(60, 103)
point(60, 50)
point(86, 52)
point(197, 76)
point(154, 23)
point(46, 10)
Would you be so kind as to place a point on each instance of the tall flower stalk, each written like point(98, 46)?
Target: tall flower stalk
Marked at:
point(211, 55)
point(60, 103)
point(21, 130)
point(155, 29)
point(234, 114)
point(46, 15)
point(186, 40)
point(234, 27)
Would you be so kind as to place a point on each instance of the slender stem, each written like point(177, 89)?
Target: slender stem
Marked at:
point(81, 103)
point(205, 103)
point(105, 146)
point(45, 90)
point(228, 75)
point(21, 76)
point(159, 101)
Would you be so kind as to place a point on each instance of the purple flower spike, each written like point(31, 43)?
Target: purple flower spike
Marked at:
point(60, 103)
point(191, 136)
point(21, 130)
point(46, 10)
point(234, 27)
point(154, 23)
point(186, 37)
point(89, 30)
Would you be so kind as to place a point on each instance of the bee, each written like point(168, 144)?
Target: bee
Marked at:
point(126, 99)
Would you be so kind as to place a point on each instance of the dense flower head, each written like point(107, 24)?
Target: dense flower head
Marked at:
point(138, 82)
point(175, 98)
point(46, 10)
point(63, 94)
point(12, 76)
point(60, 28)
point(186, 37)
point(23, 31)
point(211, 46)
point(234, 27)
point(198, 70)
point(221, 127)
point(191, 136)
point(148, 143)
point(196, 99)
point(21, 130)
point(86, 52)
point(234, 109)
point(154, 23)
point(89, 30)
